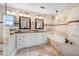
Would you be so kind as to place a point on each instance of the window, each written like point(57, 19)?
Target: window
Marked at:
point(8, 20)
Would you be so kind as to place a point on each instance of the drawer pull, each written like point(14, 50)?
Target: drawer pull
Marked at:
point(11, 29)
point(11, 33)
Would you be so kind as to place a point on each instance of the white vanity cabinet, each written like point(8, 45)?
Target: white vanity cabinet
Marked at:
point(19, 41)
point(31, 39)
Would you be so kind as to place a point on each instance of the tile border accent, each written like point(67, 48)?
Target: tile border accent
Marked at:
point(73, 21)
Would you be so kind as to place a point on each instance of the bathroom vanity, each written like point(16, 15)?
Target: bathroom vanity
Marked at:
point(29, 39)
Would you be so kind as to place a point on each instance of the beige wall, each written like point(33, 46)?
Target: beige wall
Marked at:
point(2, 11)
point(47, 18)
point(73, 28)
point(70, 31)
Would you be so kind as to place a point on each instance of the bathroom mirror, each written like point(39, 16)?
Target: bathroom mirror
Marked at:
point(39, 23)
point(24, 23)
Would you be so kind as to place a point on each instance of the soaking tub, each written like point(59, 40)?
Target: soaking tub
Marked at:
point(58, 42)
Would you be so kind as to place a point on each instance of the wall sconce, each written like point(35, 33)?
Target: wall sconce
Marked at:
point(11, 13)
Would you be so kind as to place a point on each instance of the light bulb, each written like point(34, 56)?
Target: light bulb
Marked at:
point(24, 15)
point(20, 14)
point(37, 17)
point(8, 12)
point(28, 15)
point(13, 13)
point(56, 17)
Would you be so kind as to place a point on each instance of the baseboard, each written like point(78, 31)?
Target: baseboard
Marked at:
point(14, 52)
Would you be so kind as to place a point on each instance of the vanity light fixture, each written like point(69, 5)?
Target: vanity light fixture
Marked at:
point(28, 15)
point(37, 16)
point(8, 12)
point(13, 13)
point(21, 14)
point(24, 15)
point(40, 17)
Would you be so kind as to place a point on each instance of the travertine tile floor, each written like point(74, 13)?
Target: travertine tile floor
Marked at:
point(42, 50)
point(1, 53)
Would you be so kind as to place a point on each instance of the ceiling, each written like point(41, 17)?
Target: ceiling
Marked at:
point(50, 8)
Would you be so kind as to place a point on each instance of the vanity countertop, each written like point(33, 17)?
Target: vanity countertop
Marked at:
point(31, 32)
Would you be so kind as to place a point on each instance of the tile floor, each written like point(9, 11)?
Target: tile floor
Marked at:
point(42, 50)
point(1, 53)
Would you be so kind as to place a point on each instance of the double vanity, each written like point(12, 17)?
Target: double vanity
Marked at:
point(23, 33)
point(32, 37)
point(29, 39)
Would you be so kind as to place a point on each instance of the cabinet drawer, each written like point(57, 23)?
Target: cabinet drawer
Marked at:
point(18, 35)
point(19, 40)
point(19, 44)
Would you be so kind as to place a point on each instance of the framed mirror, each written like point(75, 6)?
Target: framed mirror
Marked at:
point(39, 23)
point(24, 23)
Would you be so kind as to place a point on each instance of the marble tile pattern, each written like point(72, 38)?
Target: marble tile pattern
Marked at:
point(1, 53)
point(42, 50)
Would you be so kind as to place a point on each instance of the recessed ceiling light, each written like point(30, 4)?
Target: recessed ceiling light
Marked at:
point(57, 11)
point(42, 7)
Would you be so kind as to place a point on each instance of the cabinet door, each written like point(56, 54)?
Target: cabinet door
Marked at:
point(38, 38)
point(27, 40)
point(32, 39)
point(19, 41)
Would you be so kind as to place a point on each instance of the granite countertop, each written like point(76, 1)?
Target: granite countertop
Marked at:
point(30, 32)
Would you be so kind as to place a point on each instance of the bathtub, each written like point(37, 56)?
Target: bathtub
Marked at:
point(65, 49)
point(57, 38)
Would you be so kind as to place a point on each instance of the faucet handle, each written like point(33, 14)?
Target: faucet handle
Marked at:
point(66, 40)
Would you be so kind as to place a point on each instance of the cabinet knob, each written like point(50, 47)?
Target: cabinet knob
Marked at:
point(71, 43)
point(23, 36)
